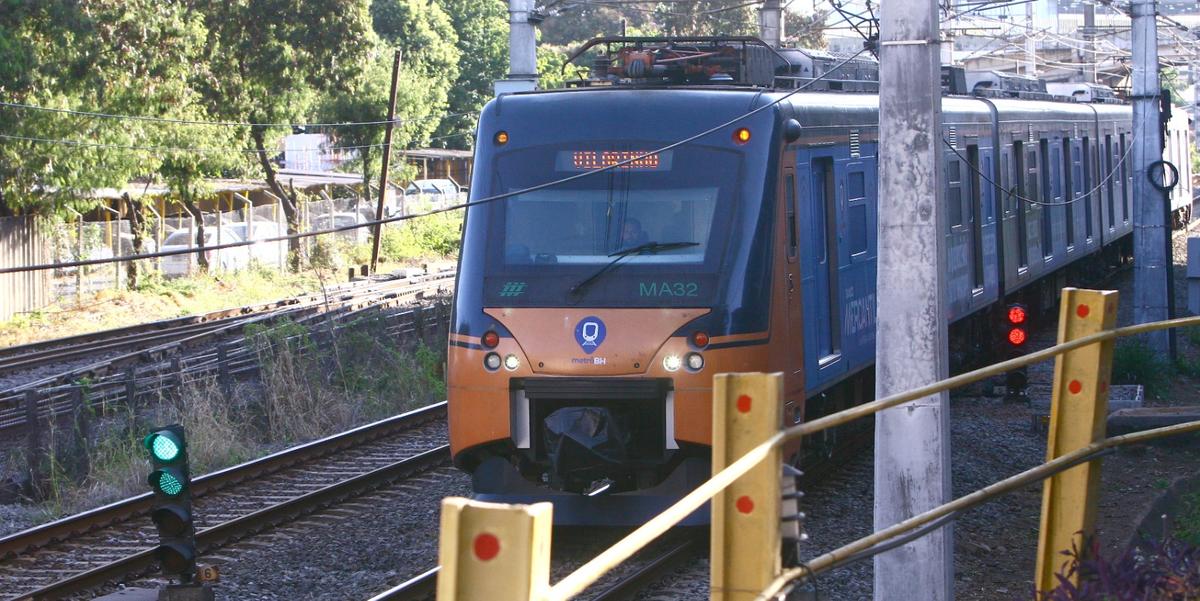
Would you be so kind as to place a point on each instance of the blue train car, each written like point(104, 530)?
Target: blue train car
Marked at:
point(619, 269)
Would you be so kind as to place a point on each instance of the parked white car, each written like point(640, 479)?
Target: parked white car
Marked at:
point(230, 259)
point(439, 189)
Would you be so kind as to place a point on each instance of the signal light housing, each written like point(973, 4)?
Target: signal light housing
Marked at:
point(700, 339)
point(172, 510)
point(1016, 381)
point(501, 138)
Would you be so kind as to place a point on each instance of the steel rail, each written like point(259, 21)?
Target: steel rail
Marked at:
point(424, 585)
point(668, 560)
point(240, 527)
point(207, 324)
point(65, 528)
point(395, 291)
point(173, 322)
point(591, 571)
point(419, 587)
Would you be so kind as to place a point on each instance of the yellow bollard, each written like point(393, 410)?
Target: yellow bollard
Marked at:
point(1078, 410)
point(494, 552)
point(747, 409)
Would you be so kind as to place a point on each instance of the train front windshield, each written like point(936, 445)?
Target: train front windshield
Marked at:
point(543, 245)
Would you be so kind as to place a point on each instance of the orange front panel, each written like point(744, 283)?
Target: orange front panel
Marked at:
point(631, 340)
point(478, 400)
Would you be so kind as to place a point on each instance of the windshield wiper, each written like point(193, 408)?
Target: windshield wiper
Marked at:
point(649, 247)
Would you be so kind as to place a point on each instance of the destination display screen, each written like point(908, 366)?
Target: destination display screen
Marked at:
point(588, 160)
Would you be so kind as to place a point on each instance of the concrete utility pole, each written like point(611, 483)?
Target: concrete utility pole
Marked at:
point(522, 49)
point(1151, 265)
point(1089, 26)
point(1030, 47)
point(912, 441)
point(770, 23)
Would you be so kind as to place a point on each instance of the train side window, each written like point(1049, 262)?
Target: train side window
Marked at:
point(1125, 180)
point(1085, 164)
point(989, 194)
point(1107, 165)
point(954, 193)
point(976, 201)
point(1047, 197)
point(1020, 185)
point(1068, 195)
point(789, 192)
point(856, 212)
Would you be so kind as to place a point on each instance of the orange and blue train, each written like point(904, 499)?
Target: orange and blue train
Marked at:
point(590, 316)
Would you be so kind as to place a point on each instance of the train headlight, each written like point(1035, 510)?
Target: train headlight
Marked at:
point(491, 361)
point(511, 362)
point(672, 362)
point(695, 361)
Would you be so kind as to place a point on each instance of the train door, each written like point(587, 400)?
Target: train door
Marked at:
point(819, 269)
point(795, 315)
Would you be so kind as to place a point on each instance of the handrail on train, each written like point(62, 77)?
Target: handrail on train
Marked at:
point(1084, 356)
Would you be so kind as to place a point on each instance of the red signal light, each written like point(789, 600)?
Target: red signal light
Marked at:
point(490, 339)
point(700, 339)
point(1016, 314)
point(1017, 336)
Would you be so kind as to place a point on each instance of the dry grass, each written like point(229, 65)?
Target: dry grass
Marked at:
point(307, 389)
point(154, 299)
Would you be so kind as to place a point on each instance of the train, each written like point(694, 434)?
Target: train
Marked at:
point(598, 296)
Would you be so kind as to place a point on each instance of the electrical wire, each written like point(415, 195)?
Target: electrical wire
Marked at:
point(99, 115)
point(192, 150)
point(81, 144)
point(1115, 169)
point(463, 205)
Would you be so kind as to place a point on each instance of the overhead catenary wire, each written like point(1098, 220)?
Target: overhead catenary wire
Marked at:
point(455, 207)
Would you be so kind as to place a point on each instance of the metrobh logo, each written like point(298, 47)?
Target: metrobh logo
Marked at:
point(589, 333)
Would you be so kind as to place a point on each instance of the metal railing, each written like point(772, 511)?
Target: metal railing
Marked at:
point(1084, 353)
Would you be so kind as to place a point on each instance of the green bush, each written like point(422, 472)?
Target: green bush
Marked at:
point(435, 236)
point(1135, 363)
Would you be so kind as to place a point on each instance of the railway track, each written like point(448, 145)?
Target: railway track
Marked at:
point(641, 572)
point(193, 348)
point(115, 543)
point(194, 328)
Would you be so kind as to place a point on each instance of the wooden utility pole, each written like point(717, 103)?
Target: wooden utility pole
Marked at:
point(1152, 264)
point(383, 170)
point(912, 441)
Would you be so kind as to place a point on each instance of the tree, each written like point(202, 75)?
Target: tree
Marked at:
point(806, 31)
point(707, 17)
point(111, 56)
point(271, 59)
point(482, 28)
point(574, 23)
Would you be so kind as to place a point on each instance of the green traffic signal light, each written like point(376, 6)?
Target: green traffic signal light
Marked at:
point(164, 445)
point(168, 481)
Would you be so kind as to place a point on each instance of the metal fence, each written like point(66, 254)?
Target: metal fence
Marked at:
point(77, 239)
point(22, 242)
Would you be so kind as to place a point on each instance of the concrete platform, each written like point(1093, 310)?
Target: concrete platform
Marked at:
point(1148, 418)
point(1120, 397)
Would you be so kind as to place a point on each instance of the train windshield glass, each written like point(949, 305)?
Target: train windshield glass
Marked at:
point(554, 238)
